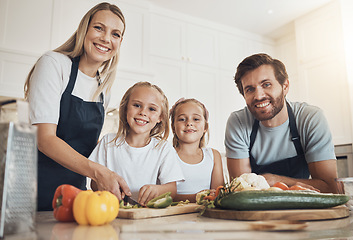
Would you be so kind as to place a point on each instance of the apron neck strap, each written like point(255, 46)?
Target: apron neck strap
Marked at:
point(293, 130)
point(73, 75)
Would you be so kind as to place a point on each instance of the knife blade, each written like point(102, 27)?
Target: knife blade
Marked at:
point(131, 201)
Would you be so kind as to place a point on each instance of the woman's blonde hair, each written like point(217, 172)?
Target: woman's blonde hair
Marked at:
point(73, 47)
point(205, 136)
point(160, 131)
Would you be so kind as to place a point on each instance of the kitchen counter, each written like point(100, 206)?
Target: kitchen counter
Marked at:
point(186, 226)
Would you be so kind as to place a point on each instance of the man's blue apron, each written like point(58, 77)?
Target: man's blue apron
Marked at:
point(295, 167)
point(80, 124)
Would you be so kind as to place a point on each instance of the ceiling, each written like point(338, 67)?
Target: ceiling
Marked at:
point(263, 17)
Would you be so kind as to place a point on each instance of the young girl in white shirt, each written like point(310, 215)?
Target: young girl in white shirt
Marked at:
point(139, 152)
point(202, 166)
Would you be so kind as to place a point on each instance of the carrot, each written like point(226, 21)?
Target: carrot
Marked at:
point(209, 197)
point(218, 189)
point(213, 197)
point(281, 185)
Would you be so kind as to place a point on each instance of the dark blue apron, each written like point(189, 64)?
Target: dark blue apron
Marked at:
point(80, 124)
point(295, 167)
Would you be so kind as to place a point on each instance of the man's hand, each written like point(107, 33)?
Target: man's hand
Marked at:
point(307, 186)
point(273, 178)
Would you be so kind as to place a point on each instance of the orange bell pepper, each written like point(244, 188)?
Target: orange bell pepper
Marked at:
point(95, 208)
point(62, 202)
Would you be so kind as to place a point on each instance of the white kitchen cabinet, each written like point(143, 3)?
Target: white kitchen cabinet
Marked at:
point(230, 100)
point(180, 79)
point(286, 52)
point(25, 26)
point(170, 76)
point(167, 37)
point(180, 40)
point(25, 31)
point(134, 53)
point(201, 45)
point(14, 69)
point(322, 70)
point(232, 50)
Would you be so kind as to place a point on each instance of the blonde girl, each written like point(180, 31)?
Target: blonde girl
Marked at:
point(202, 166)
point(139, 152)
point(68, 92)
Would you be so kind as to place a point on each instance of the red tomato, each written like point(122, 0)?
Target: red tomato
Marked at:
point(281, 185)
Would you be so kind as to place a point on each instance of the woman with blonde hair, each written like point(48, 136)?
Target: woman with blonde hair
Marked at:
point(68, 90)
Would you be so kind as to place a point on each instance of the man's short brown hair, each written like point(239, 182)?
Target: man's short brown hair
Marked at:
point(254, 61)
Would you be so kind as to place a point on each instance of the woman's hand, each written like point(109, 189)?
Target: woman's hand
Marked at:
point(107, 180)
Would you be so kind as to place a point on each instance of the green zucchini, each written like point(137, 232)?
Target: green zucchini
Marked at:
point(272, 200)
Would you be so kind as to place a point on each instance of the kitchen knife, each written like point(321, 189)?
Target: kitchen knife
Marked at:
point(131, 201)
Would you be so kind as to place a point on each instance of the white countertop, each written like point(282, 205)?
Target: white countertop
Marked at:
point(186, 226)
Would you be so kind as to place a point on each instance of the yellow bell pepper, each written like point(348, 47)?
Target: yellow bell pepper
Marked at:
point(95, 208)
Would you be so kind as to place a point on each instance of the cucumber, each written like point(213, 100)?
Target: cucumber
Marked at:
point(272, 200)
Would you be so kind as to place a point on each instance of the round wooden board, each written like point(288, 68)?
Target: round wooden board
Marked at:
point(292, 214)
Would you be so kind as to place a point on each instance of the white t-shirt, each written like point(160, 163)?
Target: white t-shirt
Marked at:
point(139, 166)
point(197, 176)
point(48, 82)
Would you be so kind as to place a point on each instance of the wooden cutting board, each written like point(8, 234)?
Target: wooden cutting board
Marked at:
point(140, 213)
point(292, 214)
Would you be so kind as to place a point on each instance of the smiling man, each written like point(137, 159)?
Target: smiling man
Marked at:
point(284, 141)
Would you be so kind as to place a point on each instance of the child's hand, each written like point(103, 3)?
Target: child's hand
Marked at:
point(148, 192)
